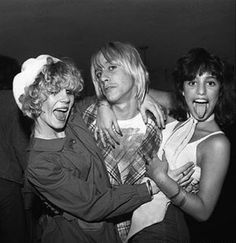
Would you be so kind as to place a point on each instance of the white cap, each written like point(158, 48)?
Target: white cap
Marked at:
point(29, 71)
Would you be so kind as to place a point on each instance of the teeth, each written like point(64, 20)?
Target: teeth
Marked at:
point(62, 109)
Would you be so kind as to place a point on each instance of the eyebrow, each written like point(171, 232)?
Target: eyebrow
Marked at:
point(211, 76)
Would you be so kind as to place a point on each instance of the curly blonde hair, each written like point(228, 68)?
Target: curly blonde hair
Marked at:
point(54, 77)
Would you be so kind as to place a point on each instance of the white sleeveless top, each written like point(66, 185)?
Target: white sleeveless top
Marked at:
point(154, 211)
point(188, 154)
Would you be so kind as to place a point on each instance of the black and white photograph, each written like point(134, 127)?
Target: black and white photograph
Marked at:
point(117, 121)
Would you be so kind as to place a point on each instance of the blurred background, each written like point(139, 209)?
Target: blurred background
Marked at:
point(162, 30)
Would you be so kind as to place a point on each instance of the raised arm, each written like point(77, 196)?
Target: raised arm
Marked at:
point(156, 102)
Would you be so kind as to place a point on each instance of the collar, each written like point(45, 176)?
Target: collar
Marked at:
point(50, 145)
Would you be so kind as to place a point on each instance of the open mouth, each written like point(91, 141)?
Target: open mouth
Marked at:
point(61, 113)
point(200, 107)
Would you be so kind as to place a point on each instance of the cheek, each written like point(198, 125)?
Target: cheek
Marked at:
point(215, 95)
point(72, 99)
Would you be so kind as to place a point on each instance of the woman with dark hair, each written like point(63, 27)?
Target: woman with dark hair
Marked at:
point(204, 103)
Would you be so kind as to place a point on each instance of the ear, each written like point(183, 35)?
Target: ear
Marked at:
point(27, 113)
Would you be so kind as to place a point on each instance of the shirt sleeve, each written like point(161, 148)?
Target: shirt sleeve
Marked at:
point(89, 200)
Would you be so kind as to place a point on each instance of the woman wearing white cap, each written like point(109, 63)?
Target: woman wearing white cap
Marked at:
point(65, 166)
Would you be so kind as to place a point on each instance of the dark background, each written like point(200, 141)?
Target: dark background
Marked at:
point(162, 30)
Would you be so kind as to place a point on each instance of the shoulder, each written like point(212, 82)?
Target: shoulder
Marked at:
point(164, 98)
point(215, 149)
point(217, 142)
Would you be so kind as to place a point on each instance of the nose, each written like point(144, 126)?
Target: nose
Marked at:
point(64, 96)
point(201, 89)
point(104, 76)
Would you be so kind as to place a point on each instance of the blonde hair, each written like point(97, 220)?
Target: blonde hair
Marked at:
point(54, 77)
point(129, 58)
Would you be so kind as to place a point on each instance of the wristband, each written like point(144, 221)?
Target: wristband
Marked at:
point(175, 195)
point(183, 200)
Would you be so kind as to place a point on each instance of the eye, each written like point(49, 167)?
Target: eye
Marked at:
point(191, 83)
point(69, 92)
point(212, 82)
point(52, 92)
point(98, 74)
point(112, 67)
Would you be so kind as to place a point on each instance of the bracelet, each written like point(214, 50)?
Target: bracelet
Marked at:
point(175, 195)
point(150, 188)
point(183, 200)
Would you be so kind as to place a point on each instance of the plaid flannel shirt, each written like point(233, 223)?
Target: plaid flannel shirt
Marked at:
point(143, 154)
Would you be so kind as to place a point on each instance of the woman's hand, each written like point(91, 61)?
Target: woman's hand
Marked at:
point(159, 168)
point(183, 174)
point(106, 125)
point(149, 104)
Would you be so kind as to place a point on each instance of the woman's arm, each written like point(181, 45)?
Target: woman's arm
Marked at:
point(90, 200)
point(155, 102)
point(213, 158)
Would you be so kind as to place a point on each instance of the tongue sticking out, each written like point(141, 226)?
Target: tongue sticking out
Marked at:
point(201, 109)
point(61, 116)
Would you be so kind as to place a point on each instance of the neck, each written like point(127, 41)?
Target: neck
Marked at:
point(125, 111)
point(210, 118)
point(39, 132)
point(209, 124)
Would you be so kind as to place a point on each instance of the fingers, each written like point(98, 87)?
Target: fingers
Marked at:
point(159, 114)
point(102, 137)
point(96, 133)
point(185, 177)
point(99, 133)
point(144, 116)
point(185, 183)
point(117, 128)
point(152, 106)
point(107, 136)
point(186, 167)
point(164, 157)
point(112, 137)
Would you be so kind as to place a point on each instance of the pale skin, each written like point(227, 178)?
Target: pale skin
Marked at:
point(213, 154)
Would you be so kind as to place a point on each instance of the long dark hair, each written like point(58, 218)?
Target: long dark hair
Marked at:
point(199, 61)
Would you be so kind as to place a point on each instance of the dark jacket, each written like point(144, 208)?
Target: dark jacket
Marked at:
point(70, 174)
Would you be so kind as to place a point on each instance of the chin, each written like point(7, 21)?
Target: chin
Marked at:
point(60, 126)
